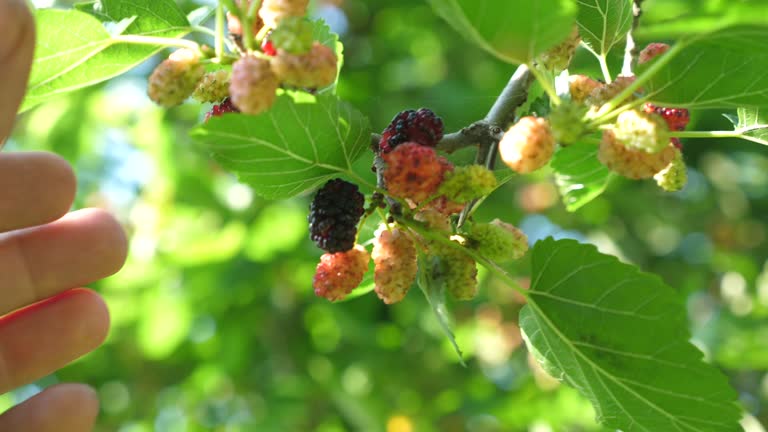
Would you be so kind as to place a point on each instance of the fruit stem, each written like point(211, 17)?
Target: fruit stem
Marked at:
point(255, 5)
point(706, 134)
point(603, 60)
point(152, 40)
point(547, 86)
point(245, 21)
point(219, 41)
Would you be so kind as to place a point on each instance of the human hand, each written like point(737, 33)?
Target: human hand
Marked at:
point(44, 253)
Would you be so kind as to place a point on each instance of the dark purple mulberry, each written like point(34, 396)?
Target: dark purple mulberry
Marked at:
point(334, 214)
point(422, 126)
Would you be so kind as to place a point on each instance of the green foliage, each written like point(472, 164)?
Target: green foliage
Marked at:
point(618, 336)
point(603, 24)
point(579, 175)
point(723, 69)
point(293, 148)
point(215, 324)
point(751, 124)
point(75, 51)
point(515, 32)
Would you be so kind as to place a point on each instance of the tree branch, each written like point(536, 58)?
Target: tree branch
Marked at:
point(631, 51)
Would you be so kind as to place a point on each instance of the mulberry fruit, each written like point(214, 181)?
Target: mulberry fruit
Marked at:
point(528, 145)
point(559, 57)
point(268, 47)
point(459, 273)
point(603, 94)
point(334, 214)
point(253, 85)
point(422, 126)
point(218, 110)
point(466, 183)
point(339, 273)
point(413, 172)
point(314, 69)
point(213, 87)
point(677, 119)
point(273, 11)
point(634, 164)
point(674, 177)
point(651, 51)
point(639, 130)
point(293, 35)
point(394, 259)
point(566, 122)
point(175, 78)
point(581, 86)
point(498, 241)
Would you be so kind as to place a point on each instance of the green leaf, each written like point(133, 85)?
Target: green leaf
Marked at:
point(579, 175)
point(513, 31)
point(752, 124)
point(663, 19)
point(724, 69)
point(604, 23)
point(620, 337)
point(290, 149)
point(74, 50)
point(161, 18)
point(322, 33)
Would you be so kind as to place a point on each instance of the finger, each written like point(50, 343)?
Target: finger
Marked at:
point(41, 338)
point(16, 49)
point(80, 248)
point(35, 188)
point(61, 408)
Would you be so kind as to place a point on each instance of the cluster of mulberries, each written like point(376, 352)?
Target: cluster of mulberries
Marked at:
point(638, 145)
point(289, 57)
point(416, 174)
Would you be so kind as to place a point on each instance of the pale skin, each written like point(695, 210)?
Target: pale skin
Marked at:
point(46, 255)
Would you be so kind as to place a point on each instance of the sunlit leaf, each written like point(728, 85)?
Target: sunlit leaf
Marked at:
point(604, 23)
point(620, 337)
point(725, 69)
point(579, 175)
point(515, 32)
point(752, 124)
point(74, 50)
point(290, 149)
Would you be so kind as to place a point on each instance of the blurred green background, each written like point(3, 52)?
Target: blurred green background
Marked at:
point(215, 326)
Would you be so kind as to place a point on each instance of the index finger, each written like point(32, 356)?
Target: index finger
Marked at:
point(16, 50)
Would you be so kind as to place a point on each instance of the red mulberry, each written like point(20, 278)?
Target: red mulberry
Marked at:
point(339, 273)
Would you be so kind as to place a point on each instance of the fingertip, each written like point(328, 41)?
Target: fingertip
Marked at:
point(59, 408)
point(37, 188)
point(94, 314)
point(113, 244)
point(18, 24)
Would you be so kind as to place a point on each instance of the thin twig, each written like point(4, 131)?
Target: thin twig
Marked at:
point(631, 51)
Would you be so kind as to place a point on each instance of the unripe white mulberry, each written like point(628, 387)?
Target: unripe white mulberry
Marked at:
point(528, 145)
point(175, 78)
point(314, 69)
point(394, 258)
point(253, 85)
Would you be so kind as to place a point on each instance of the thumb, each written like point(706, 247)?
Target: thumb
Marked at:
point(16, 50)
